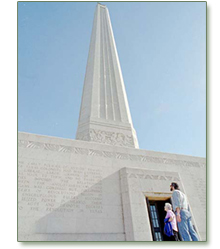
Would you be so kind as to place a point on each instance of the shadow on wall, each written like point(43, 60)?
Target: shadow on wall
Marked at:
point(98, 209)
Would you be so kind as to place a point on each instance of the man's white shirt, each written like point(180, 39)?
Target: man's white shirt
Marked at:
point(179, 199)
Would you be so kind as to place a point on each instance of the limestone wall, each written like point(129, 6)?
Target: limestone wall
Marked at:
point(71, 190)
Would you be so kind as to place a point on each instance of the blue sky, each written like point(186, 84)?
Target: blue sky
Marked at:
point(162, 52)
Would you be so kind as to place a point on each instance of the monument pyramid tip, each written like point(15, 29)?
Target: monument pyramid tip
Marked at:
point(101, 4)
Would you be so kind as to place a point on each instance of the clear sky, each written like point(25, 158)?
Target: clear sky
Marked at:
point(162, 52)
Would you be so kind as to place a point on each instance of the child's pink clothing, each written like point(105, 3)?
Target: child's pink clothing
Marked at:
point(170, 213)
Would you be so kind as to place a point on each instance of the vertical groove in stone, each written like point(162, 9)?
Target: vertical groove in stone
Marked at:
point(123, 103)
point(105, 65)
point(102, 73)
point(99, 68)
point(114, 82)
point(97, 94)
point(108, 80)
point(110, 73)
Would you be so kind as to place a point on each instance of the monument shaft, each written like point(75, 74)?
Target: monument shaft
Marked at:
point(104, 115)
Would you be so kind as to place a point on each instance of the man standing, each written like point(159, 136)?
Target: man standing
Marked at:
point(183, 216)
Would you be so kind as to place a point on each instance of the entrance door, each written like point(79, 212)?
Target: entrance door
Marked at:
point(157, 214)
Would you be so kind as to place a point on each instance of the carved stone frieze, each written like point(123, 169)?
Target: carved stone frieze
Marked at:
point(107, 154)
point(153, 177)
point(106, 137)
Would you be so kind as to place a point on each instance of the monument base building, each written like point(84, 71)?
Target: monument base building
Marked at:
point(73, 190)
point(102, 187)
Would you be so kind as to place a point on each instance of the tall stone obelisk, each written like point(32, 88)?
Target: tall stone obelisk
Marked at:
point(104, 115)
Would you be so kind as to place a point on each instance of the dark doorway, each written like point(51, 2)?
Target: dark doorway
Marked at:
point(157, 214)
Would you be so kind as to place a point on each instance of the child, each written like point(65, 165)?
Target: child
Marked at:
point(172, 219)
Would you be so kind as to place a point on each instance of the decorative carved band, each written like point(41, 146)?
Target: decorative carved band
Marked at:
point(107, 154)
point(153, 177)
point(106, 137)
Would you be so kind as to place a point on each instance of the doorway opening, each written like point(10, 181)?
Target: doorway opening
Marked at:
point(157, 215)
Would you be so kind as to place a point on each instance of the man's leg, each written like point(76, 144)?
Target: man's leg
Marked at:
point(183, 226)
point(192, 231)
point(183, 230)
